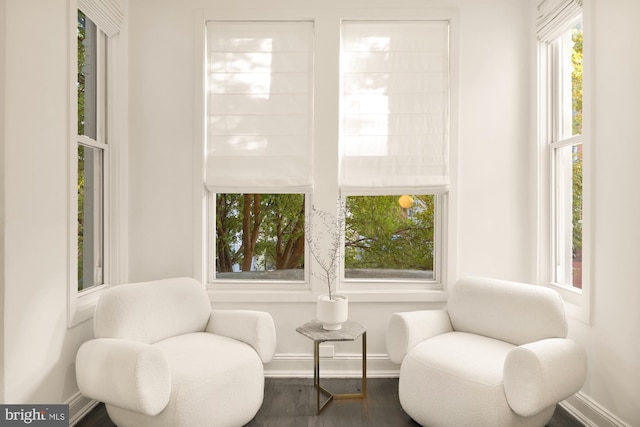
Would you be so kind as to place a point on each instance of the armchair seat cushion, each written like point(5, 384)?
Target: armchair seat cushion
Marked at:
point(193, 356)
point(450, 354)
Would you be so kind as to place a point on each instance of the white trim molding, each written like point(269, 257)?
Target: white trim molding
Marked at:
point(79, 407)
point(590, 413)
point(347, 365)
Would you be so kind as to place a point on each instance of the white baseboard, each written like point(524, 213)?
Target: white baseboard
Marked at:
point(341, 365)
point(590, 413)
point(79, 406)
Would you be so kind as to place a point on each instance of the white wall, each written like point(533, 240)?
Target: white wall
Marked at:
point(496, 214)
point(39, 350)
point(613, 337)
point(161, 135)
point(495, 205)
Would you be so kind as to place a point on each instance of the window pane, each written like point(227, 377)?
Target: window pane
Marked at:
point(90, 219)
point(569, 215)
point(390, 237)
point(570, 81)
point(87, 76)
point(260, 236)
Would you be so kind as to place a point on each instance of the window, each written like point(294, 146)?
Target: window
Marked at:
point(97, 147)
point(390, 237)
point(395, 93)
point(564, 144)
point(306, 111)
point(92, 152)
point(259, 236)
point(259, 139)
point(567, 153)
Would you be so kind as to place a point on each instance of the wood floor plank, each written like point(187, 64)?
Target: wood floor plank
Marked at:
point(291, 402)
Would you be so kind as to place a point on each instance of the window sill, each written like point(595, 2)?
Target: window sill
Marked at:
point(82, 306)
point(397, 295)
point(576, 302)
point(253, 295)
point(306, 296)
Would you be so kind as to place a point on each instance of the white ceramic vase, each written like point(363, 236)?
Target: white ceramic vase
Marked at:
point(332, 313)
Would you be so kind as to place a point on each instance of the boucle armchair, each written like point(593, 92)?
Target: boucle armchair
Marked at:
point(162, 357)
point(497, 356)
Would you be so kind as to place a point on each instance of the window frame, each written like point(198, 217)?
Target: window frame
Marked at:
point(209, 273)
point(440, 191)
point(111, 140)
point(101, 207)
point(325, 194)
point(100, 144)
point(578, 300)
point(439, 255)
point(236, 284)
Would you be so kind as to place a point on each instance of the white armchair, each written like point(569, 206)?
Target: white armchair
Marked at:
point(497, 356)
point(162, 357)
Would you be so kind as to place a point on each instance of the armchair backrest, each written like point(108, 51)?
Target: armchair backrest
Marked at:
point(514, 312)
point(152, 311)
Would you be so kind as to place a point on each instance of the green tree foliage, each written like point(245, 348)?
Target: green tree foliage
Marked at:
point(82, 59)
point(284, 225)
point(81, 90)
point(381, 234)
point(259, 231)
point(576, 79)
point(80, 215)
point(576, 92)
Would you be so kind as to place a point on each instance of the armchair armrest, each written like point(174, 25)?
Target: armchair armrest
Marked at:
point(410, 328)
point(128, 374)
point(255, 328)
point(542, 373)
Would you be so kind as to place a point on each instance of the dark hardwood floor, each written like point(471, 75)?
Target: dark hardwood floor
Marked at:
point(291, 402)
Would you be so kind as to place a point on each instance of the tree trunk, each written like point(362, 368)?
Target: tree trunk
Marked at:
point(250, 228)
point(247, 250)
point(225, 263)
point(293, 251)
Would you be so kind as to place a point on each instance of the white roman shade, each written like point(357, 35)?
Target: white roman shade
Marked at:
point(259, 130)
point(395, 106)
point(554, 16)
point(106, 14)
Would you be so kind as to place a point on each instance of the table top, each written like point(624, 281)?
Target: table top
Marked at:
point(349, 332)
